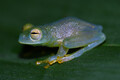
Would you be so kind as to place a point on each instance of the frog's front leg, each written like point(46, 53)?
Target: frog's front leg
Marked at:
point(87, 42)
point(62, 51)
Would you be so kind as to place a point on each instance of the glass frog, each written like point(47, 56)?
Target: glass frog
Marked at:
point(66, 34)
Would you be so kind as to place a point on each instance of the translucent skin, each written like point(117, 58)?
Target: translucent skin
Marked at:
point(66, 33)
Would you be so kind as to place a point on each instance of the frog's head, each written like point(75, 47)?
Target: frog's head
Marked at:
point(31, 35)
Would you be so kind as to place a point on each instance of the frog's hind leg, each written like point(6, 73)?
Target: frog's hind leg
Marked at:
point(89, 46)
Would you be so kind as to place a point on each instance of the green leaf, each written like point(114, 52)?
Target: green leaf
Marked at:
point(17, 62)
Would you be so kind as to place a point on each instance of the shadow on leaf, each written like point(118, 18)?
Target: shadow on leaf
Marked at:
point(30, 52)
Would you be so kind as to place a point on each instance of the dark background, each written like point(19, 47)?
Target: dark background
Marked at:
point(17, 62)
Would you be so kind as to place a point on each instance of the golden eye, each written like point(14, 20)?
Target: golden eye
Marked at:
point(36, 34)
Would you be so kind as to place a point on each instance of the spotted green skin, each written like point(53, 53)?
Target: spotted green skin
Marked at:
point(66, 28)
point(66, 33)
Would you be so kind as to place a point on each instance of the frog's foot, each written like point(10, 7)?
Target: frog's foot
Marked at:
point(54, 59)
point(51, 60)
point(46, 61)
point(64, 59)
point(40, 62)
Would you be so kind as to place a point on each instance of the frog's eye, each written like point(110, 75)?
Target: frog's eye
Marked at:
point(36, 34)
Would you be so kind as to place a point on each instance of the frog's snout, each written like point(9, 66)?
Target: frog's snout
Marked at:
point(22, 39)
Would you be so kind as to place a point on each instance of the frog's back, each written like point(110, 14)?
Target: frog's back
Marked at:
point(71, 26)
point(73, 22)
